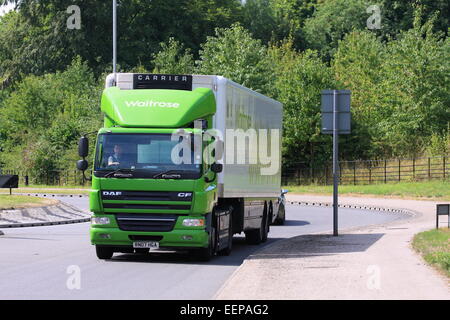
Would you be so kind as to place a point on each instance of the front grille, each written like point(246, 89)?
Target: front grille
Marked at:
point(146, 206)
point(146, 195)
point(125, 201)
point(146, 222)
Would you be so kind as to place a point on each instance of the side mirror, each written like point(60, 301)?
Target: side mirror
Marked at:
point(82, 165)
point(217, 167)
point(83, 147)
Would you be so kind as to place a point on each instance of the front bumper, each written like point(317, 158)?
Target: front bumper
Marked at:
point(113, 236)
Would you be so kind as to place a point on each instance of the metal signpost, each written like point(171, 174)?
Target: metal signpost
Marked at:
point(336, 120)
point(115, 39)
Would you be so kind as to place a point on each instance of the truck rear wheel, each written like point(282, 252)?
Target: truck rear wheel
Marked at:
point(255, 236)
point(281, 217)
point(104, 252)
point(266, 227)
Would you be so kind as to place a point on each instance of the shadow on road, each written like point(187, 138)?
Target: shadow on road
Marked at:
point(241, 251)
point(317, 245)
point(291, 223)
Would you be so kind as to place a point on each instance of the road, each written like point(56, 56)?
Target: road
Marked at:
point(58, 262)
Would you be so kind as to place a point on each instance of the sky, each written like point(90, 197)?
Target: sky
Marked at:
point(4, 9)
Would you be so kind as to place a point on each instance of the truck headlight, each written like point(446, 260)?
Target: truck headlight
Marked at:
point(193, 222)
point(100, 220)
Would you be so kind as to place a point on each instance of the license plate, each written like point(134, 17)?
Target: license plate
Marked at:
point(146, 244)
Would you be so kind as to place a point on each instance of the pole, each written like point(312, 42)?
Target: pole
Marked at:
point(335, 164)
point(115, 39)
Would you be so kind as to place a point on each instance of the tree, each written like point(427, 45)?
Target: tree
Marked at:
point(417, 72)
point(173, 59)
point(357, 65)
point(36, 40)
point(275, 20)
point(398, 15)
point(42, 119)
point(299, 80)
point(400, 89)
point(331, 21)
point(234, 54)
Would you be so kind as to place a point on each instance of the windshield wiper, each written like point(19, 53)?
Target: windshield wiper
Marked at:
point(120, 170)
point(176, 174)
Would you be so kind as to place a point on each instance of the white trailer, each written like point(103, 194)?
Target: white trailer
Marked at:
point(243, 116)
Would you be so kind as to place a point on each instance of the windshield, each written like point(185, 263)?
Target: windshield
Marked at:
point(144, 155)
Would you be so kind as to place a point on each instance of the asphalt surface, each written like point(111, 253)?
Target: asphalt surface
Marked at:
point(58, 262)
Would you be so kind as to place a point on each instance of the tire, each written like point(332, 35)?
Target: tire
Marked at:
point(255, 236)
point(206, 254)
point(265, 226)
point(104, 253)
point(281, 217)
point(228, 249)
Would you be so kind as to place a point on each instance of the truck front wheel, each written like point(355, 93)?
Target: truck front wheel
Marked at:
point(206, 254)
point(104, 252)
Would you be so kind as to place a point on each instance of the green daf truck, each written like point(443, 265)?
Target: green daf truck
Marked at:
point(183, 162)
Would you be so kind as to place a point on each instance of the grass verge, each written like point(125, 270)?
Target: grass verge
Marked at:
point(434, 246)
point(19, 202)
point(430, 190)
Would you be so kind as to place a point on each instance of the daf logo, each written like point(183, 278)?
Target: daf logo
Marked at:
point(112, 193)
point(184, 194)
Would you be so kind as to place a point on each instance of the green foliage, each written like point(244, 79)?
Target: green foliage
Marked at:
point(416, 72)
point(287, 49)
point(234, 54)
point(331, 21)
point(399, 89)
point(43, 117)
point(36, 40)
point(398, 15)
point(299, 79)
point(173, 59)
point(275, 20)
point(439, 144)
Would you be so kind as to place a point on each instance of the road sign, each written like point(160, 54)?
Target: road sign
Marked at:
point(442, 210)
point(343, 100)
point(335, 120)
point(9, 181)
point(343, 111)
point(344, 120)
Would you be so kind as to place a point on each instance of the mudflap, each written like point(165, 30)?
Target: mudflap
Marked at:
point(223, 216)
